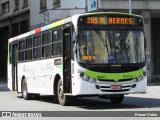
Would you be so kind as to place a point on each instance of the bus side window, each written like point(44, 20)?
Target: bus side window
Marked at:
point(57, 42)
point(21, 53)
point(28, 55)
point(37, 47)
point(54, 39)
point(46, 46)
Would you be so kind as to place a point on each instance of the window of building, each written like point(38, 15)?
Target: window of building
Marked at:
point(16, 5)
point(25, 4)
point(43, 5)
point(56, 3)
point(24, 26)
point(5, 7)
point(15, 29)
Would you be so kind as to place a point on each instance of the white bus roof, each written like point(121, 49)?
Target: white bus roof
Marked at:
point(72, 19)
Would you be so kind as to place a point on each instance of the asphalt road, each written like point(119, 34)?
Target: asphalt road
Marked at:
point(135, 102)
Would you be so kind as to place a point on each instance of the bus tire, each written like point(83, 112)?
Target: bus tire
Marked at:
point(117, 100)
point(25, 93)
point(63, 100)
point(55, 91)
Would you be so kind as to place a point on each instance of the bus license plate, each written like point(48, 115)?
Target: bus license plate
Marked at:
point(116, 87)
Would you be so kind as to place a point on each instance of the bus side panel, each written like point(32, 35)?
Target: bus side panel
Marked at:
point(10, 77)
point(142, 86)
point(39, 75)
point(12, 68)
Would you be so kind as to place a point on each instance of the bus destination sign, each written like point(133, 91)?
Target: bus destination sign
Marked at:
point(110, 20)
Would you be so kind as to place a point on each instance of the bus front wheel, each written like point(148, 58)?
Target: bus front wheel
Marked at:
point(117, 100)
point(62, 98)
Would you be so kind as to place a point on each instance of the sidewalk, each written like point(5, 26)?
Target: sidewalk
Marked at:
point(154, 82)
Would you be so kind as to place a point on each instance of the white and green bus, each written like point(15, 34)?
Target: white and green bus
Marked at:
point(92, 54)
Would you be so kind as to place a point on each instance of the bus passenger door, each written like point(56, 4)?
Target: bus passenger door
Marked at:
point(14, 67)
point(67, 60)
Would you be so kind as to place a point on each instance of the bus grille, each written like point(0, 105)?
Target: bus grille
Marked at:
point(107, 88)
point(121, 80)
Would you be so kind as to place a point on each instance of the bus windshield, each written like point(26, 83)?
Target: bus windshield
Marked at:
point(110, 46)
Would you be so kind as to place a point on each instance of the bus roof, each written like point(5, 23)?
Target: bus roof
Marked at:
point(61, 22)
point(41, 29)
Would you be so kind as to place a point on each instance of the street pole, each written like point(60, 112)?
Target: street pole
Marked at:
point(130, 6)
point(86, 8)
point(46, 17)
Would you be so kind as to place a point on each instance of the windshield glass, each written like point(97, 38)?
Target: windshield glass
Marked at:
point(102, 46)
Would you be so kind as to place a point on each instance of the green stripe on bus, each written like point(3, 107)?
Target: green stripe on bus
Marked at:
point(114, 76)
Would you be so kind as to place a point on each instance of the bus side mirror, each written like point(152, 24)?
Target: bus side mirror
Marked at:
point(74, 37)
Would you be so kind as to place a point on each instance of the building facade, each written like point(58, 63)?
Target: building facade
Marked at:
point(14, 20)
point(19, 16)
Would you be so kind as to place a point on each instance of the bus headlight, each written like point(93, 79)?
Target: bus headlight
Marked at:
point(83, 76)
point(92, 80)
point(136, 79)
point(86, 78)
point(140, 77)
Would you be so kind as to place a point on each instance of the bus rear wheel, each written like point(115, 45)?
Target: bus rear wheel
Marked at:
point(25, 93)
point(62, 98)
point(117, 100)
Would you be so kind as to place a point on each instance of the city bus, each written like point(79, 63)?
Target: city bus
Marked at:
point(92, 54)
